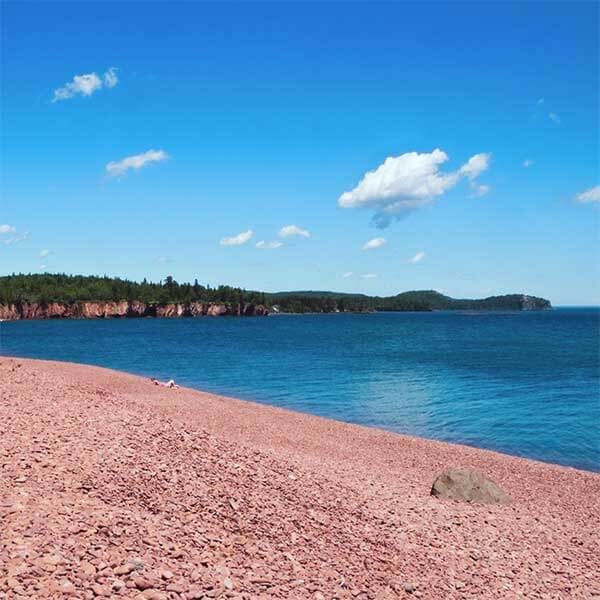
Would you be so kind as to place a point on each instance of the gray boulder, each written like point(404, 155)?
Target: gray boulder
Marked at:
point(468, 485)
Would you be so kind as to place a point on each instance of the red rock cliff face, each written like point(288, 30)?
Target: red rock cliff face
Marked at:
point(124, 309)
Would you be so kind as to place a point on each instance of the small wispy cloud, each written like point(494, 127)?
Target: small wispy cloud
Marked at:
point(527, 163)
point(19, 237)
point(478, 190)
point(591, 195)
point(554, 118)
point(44, 253)
point(369, 275)
point(137, 161)
point(237, 240)
point(476, 165)
point(417, 258)
point(42, 267)
point(15, 236)
point(293, 230)
point(86, 85)
point(110, 78)
point(268, 245)
point(347, 274)
point(374, 243)
point(540, 101)
point(165, 260)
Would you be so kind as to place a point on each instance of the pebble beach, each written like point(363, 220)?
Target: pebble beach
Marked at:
point(112, 487)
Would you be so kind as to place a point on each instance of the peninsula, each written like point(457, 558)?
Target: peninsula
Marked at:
point(50, 296)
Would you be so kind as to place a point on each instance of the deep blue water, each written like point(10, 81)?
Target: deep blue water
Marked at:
point(522, 383)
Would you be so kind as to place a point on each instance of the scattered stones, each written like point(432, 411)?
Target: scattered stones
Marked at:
point(124, 569)
point(86, 569)
point(136, 563)
point(468, 485)
point(67, 588)
point(142, 583)
point(152, 595)
point(100, 590)
point(140, 494)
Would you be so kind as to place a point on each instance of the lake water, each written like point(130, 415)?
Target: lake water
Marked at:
point(526, 384)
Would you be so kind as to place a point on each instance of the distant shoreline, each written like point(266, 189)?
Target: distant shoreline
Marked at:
point(139, 310)
point(37, 296)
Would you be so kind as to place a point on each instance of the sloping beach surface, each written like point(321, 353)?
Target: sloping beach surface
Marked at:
point(113, 487)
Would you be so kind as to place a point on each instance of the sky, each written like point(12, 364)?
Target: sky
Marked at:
point(357, 147)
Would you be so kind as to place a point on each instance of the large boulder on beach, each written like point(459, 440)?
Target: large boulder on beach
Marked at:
point(468, 485)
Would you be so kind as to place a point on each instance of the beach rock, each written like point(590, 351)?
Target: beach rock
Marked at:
point(468, 485)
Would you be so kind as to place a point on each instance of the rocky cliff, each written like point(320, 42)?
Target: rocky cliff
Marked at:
point(533, 303)
point(125, 309)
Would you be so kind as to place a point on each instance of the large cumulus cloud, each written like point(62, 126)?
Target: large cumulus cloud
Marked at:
point(406, 182)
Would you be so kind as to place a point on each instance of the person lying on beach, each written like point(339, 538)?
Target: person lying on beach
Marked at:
point(170, 384)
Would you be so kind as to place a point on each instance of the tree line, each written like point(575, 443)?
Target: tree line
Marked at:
point(68, 289)
point(58, 287)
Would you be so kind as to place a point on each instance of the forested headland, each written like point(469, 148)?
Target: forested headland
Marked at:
point(43, 289)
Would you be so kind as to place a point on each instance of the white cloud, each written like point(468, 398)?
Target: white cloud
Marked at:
point(540, 101)
point(476, 165)
point(479, 190)
point(268, 245)
point(237, 240)
point(527, 163)
point(554, 118)
point(348, 274)
point(19, 237)
point(86, 85)
point(406, 182)
point(44, 253)
point(369, 275)
point(293, 230)
point(15, 238)
point(374, 243)
point(591, 195)
point(137, 161)
point(42, 267)
point(110, 78)
point(417, 258)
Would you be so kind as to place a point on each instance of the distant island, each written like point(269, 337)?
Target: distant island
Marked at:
point(47, 296)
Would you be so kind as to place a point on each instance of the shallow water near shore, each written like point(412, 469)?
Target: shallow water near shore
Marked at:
point(527, 384)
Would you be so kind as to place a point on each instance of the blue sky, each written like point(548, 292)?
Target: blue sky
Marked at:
point(198, 122)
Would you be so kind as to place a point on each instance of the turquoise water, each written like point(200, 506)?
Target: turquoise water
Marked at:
point(522, 383)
